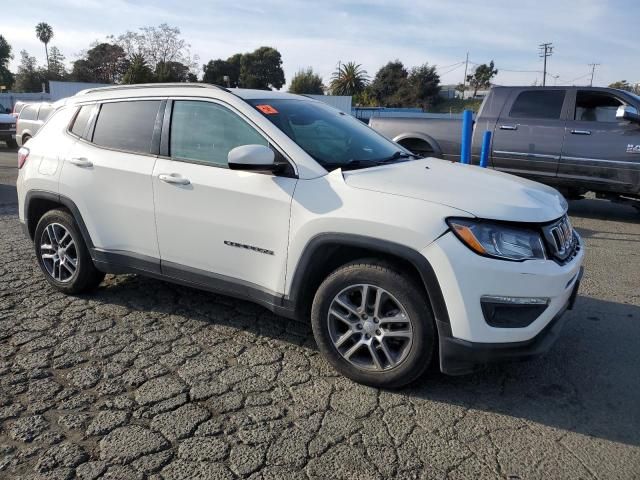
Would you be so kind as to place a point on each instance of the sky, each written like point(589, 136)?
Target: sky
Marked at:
point(369, 32)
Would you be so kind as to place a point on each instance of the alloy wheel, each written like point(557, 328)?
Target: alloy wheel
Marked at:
point(58, 252)
point(369, 327)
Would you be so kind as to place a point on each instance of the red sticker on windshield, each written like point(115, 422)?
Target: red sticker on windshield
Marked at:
point(267, 109)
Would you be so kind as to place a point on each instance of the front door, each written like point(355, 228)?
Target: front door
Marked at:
point(218, 226)
point(601, 152)
point(529, 133)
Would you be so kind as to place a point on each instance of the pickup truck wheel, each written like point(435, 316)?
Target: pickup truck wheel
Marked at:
point(373, 325)
point(62, 254)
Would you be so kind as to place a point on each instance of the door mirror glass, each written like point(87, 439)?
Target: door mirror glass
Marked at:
point(627, 112)
point(251, 157)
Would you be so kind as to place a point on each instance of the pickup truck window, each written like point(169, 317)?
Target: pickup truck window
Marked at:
point(592, 106)
point(545, 104)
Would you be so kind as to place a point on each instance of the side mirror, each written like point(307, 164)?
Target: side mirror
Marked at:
point(627, 112)
point(251, 157)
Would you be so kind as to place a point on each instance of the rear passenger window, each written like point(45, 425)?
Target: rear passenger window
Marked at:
point(206, 132)
point(29, 112)
point(80, 122)
point(545, 104)
point(126, 125)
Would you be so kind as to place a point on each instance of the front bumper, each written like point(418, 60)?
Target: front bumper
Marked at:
point(459, 357)
point(7, 135)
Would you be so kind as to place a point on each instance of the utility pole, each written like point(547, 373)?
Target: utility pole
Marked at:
point(464, 79)
point(593, 71)
point(546, 50)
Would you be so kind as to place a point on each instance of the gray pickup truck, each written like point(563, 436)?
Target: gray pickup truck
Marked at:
point(576, 139)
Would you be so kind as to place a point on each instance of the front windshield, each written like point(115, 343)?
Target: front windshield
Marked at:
point(333, 138)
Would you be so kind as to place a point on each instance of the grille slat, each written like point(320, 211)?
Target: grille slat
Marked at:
point(560, 238)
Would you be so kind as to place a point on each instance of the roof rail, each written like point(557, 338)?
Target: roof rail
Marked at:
point(150, 85)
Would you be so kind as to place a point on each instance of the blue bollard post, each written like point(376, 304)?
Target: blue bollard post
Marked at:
point(486, 145)
point(467, 126)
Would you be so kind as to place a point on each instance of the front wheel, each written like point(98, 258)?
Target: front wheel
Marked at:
point(373, 324)
point(63, 255)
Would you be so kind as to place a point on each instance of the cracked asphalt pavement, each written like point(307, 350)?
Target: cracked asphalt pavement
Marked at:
point(144, 379)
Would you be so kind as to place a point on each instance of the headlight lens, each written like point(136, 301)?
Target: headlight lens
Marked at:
point(498, 240)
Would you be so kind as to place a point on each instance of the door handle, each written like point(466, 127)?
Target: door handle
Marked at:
point(81, 162)
point(581, 132)
point(508, 127)
point(173, 178)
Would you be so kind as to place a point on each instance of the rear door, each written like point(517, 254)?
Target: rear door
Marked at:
point(107, 174)
point(529, 133)
point(600, 152)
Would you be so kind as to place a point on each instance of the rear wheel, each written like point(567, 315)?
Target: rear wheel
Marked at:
point(373, 325)
point(63, 255)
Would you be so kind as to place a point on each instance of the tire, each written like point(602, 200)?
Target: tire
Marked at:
point(11, 143)
point(58, 243)
point(411, 353)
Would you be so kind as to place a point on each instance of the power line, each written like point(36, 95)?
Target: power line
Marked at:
point(546, 50)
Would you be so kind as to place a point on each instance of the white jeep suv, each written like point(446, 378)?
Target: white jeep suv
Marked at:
point(284, 201)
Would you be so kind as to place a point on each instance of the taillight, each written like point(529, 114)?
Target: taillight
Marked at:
point(23, 153)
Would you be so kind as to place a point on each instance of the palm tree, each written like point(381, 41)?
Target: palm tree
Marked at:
point(44, 32)
point(349, 79)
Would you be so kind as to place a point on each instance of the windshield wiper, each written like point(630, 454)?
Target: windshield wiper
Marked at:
point(354, 164)
point(396, 156)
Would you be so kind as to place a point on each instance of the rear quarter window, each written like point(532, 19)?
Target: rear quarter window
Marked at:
point(126, 126)
point(79, 125)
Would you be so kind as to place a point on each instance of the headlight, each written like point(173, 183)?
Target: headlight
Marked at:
point(498, 240)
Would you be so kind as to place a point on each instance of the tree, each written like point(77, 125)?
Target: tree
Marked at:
point(159, 45)
point(425, 85)
point(6, 77)
point(29, 78)
point(261, 69)
point(138, 71)
point(44, 32)
point(481, 78)
point(624, 85)
point(349, 79)
point(220, 72)
point(390, 85)
point(57, 69)
point(307, 81)
point(171, 72)
point(103, 63)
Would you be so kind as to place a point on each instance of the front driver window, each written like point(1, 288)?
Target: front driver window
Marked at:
point(206, 132)
point(593, 106)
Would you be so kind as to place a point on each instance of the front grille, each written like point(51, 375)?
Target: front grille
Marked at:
point(561, 240)
point(7, 126)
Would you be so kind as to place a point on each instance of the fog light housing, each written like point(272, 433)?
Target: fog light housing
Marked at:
point(512, 312)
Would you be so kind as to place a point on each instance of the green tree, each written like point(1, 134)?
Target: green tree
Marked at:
point(349, 79)
point(307, 81)
point(624, 85)
point(102, 63)
point(57, 69)
point(481, 78)
point(6, 77)
point(391, 86)
point(29, 78)
point(215, 71)
point(424, 84)
point(44, 32)
point(262, 69)
point(138, 71)
point(171, 72)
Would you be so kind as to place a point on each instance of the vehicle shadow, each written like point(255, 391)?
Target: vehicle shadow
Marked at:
point(597, 209)
point(587, 383)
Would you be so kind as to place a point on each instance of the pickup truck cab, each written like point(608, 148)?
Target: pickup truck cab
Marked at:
point(279, 199)
point(577, 139)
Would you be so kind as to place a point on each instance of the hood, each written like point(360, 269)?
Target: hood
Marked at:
point(7, 118)
point(481, 192)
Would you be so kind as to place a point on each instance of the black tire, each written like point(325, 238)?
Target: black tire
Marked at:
point(411, 297)
point(85, 277)
point(11, 143)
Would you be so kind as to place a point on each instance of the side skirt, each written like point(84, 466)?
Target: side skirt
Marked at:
point(119, 262)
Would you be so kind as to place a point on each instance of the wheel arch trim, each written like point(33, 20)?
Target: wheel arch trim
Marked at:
point(419, 262)
point(420, 136)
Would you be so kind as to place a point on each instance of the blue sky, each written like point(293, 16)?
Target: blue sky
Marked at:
point(319, 34)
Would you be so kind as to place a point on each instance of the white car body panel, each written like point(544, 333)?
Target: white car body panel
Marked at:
point(220, 205)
